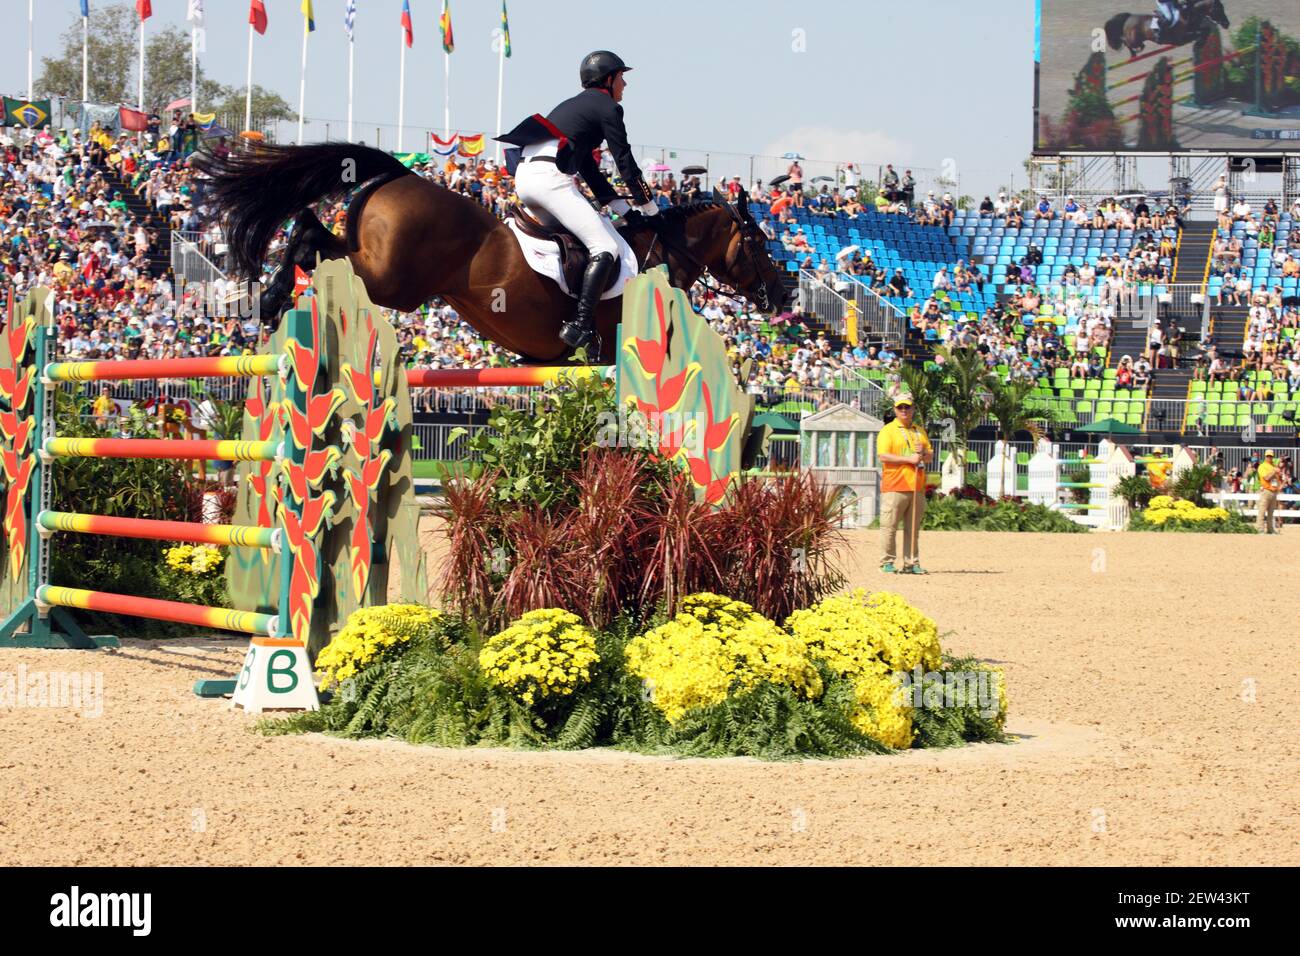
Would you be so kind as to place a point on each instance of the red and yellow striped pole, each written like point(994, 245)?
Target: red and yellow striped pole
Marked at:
point(226, 619)
point(208, 448)
point(217, 366)
point(529, 375)
point(232, 535)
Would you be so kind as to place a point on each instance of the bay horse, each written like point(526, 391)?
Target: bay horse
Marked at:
point(1133, 30)
point(409, 239)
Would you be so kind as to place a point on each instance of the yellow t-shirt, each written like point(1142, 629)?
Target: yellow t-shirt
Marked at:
point(894, 439)
point(1158, 472)
point(1270, 477)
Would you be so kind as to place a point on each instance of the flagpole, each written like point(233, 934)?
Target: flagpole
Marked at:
point(302, 82)
point(248, 86)
point(446, 99)
point(31, 16)
point(194, 69)
point(351, 49)
point(140, 135)
point(501, 75)
point(401, 93)
point(85, 58)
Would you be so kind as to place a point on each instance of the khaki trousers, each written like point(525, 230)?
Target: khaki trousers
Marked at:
point(1264, 519)
point(908, 510)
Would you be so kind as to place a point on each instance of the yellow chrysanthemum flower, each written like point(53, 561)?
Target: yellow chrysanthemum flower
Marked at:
point(714, 648)
point(546, 653)
point(368, 634)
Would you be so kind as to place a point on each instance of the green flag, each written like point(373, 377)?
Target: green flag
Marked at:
point(505, 30)
point(33, 114)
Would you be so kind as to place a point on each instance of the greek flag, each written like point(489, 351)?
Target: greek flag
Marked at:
point(350, 19)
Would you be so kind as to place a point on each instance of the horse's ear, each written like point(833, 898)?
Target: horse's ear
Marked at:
point(743, 199)
point(718, 194)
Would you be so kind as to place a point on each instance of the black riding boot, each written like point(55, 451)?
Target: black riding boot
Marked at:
point(579, 331)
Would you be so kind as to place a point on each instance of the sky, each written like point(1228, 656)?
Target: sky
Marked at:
point(717, 80)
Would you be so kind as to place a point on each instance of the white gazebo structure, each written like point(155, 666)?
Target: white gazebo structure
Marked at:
point(838, 445)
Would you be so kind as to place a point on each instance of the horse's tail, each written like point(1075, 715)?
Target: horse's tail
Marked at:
point(1115, 30)
point(255, 192)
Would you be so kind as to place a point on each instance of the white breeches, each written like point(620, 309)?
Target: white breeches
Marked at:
point(543, 186)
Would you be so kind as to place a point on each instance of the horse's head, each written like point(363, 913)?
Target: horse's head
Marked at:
point(743, 262)
point(1214, 10)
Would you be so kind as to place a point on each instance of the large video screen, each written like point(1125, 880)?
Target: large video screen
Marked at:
point(1158, 77)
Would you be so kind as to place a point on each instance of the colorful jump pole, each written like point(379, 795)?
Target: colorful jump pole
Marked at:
point(226, 619)
point(173, 448)
point(238, 366)
point(229, 535)
point(485, 377)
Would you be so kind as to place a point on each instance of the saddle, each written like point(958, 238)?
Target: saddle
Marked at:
point(573, 254)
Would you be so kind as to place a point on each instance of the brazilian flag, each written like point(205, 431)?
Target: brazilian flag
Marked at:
point(33, 114)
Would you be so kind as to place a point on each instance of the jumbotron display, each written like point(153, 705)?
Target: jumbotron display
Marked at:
point(1167, 76)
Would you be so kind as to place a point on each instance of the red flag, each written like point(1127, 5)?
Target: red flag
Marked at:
point(257, 15)
point(301, 281)
point(144, 8)
point(133, 120)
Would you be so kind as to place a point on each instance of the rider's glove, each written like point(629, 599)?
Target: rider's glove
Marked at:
point(648, 208)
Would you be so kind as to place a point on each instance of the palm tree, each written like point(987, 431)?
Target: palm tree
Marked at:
point(964, 391)
point(925, 386)
point(1011, 406)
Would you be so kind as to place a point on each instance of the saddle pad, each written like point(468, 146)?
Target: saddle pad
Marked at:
point(543, 255)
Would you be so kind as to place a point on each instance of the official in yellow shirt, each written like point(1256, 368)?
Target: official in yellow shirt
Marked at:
point(1158, 471)
point(904, 450)
point(1270, 483)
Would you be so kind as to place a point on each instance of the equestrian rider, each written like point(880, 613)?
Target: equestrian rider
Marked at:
point(565, 142)
point(1168, 13)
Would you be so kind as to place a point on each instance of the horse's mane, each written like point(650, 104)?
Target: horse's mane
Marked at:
point(688, 210)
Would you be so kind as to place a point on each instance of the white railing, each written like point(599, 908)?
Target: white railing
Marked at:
point(1247, 503)
point(816, 297)
point(190, 258)
point(838, 295)
point(880, 317)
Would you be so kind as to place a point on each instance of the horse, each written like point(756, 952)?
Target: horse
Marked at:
point(1133, 30)
point(409, 239)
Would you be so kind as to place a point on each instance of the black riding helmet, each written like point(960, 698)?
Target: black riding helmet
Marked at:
point(596, 66)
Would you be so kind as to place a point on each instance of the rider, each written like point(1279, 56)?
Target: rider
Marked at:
point(555, 147)
point(1168, 13)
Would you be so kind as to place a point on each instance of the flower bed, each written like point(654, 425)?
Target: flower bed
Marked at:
point(854, 674)
point(1165, 513)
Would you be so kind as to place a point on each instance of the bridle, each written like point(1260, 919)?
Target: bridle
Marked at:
point(748, 239)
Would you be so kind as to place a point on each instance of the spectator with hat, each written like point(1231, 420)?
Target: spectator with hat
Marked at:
point(904, 450)
point(1271, 480)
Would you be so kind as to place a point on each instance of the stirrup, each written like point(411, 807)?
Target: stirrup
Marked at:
point(576, 336)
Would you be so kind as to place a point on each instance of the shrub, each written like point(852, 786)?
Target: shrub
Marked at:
point(610, 531)
point(1164, 513)
point(950, 513)
point(368, 636)
point(712, 650)
point(718, 679)
point(546, 653)
point(1136, 490)
point(194, 573)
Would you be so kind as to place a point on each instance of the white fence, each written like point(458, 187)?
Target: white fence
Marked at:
point(1288, 506)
